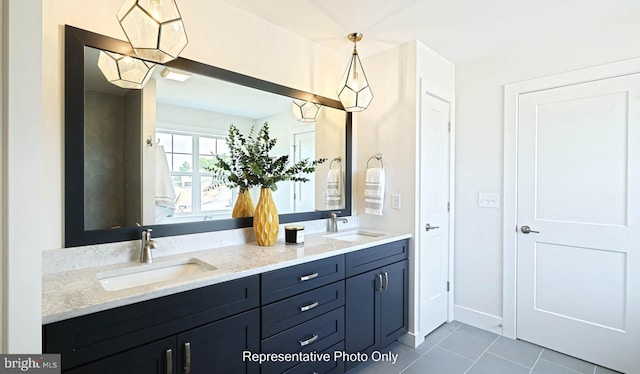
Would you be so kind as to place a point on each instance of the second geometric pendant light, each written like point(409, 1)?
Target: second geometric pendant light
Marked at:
point(354, 91)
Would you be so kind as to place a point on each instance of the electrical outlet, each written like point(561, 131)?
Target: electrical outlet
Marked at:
point(489, 200)
point(396, 201)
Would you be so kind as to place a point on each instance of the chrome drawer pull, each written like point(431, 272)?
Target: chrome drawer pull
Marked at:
point(169, 357)
point(308, 307)
point(309, 341)
point(307, 277)
point(386, 281)
point(379, 288)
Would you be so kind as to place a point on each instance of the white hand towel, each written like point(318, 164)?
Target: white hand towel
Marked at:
point(165, 194)
point(334, 189)
point(374, 191)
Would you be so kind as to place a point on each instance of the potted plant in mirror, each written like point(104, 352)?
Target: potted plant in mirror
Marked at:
point(231, 170)
point(266, 171)
point(251, 164)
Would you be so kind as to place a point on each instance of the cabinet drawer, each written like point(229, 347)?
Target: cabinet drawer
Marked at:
point(372, 258)
point(87, 338)
point(278, 284)
point(321, 367)
point(292, 311)
point(317, 335)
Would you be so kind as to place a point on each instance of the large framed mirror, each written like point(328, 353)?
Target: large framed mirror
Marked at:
point(125, 148)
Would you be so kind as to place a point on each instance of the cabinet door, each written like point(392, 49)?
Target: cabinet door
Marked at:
point(394, 302)
point(362, 316)
point(217, 347)
point(154, 358)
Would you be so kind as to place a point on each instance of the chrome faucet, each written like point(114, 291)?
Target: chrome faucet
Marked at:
point(146, 246)
point(333, 221)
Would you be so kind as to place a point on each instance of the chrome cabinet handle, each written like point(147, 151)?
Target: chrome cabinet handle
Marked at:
point(386, 281)
point(307, 277)
point(187, 358)
point(379, 288)
point(309, 341)
point(309, 307)
point(428, 227)
point(527, 229)
point(169, 360)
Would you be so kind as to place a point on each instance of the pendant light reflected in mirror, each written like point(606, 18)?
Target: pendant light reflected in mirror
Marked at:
point(124, 71)
point(154, 29)
point(305, 111)
point(354, 91)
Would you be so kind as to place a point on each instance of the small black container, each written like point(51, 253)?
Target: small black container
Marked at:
point(294, 234)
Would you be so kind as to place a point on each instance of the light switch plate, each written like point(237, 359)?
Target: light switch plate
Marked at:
point(396, 201)
point(489, 200)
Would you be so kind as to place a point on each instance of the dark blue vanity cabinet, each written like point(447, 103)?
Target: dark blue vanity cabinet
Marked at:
point(356, 302)
point(203, 330)
point(303, 311)
point(377, 308)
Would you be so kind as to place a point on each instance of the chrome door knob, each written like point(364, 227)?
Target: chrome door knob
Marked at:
point(527, 230)
point(428, 227)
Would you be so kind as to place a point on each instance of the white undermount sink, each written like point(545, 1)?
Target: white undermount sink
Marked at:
point(153, 273)
point(353, 236)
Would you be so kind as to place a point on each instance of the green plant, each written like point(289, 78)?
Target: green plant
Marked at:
point(250, 164)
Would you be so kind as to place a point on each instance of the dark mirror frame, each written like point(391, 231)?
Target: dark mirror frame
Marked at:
point(75, 235)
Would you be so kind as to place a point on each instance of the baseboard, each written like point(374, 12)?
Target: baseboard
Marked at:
point(410, 339)
point(478, 319)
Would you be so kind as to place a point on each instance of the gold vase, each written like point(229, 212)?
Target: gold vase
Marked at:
point(265, 219)
point(244, 205)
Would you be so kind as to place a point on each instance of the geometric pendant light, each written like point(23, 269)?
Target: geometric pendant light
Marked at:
point(305, 111)
point(154, 28)
point(124, 71)
point(354, 91)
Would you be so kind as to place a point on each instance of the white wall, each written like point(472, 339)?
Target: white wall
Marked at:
point(23, 187)
point(390, 126)
point(219, 34)
point(2, 166)
point(479, 158)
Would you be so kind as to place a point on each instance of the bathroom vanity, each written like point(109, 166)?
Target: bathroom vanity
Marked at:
point(328, 295)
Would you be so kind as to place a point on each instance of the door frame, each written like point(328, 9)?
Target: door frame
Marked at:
point(510, 191)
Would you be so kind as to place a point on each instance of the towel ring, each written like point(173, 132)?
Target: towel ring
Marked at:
point(377, 156)
point(338, 159)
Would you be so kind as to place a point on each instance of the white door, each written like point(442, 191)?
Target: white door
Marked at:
point(434, 213)
point(578, 277)
point(304, 193)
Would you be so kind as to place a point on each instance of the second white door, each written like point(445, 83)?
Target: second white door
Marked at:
point(578, 272)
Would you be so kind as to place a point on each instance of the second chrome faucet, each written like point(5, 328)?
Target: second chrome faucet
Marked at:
point(146, 245)
point(333, 221)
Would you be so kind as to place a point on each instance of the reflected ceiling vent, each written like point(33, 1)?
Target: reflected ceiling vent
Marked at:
point(175, 75)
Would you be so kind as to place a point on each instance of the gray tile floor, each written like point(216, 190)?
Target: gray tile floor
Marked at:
point(456, 348)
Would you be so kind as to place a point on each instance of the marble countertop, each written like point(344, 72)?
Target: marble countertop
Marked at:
point(75, 293)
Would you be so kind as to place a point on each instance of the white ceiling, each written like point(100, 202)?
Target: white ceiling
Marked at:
point(459, 30)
